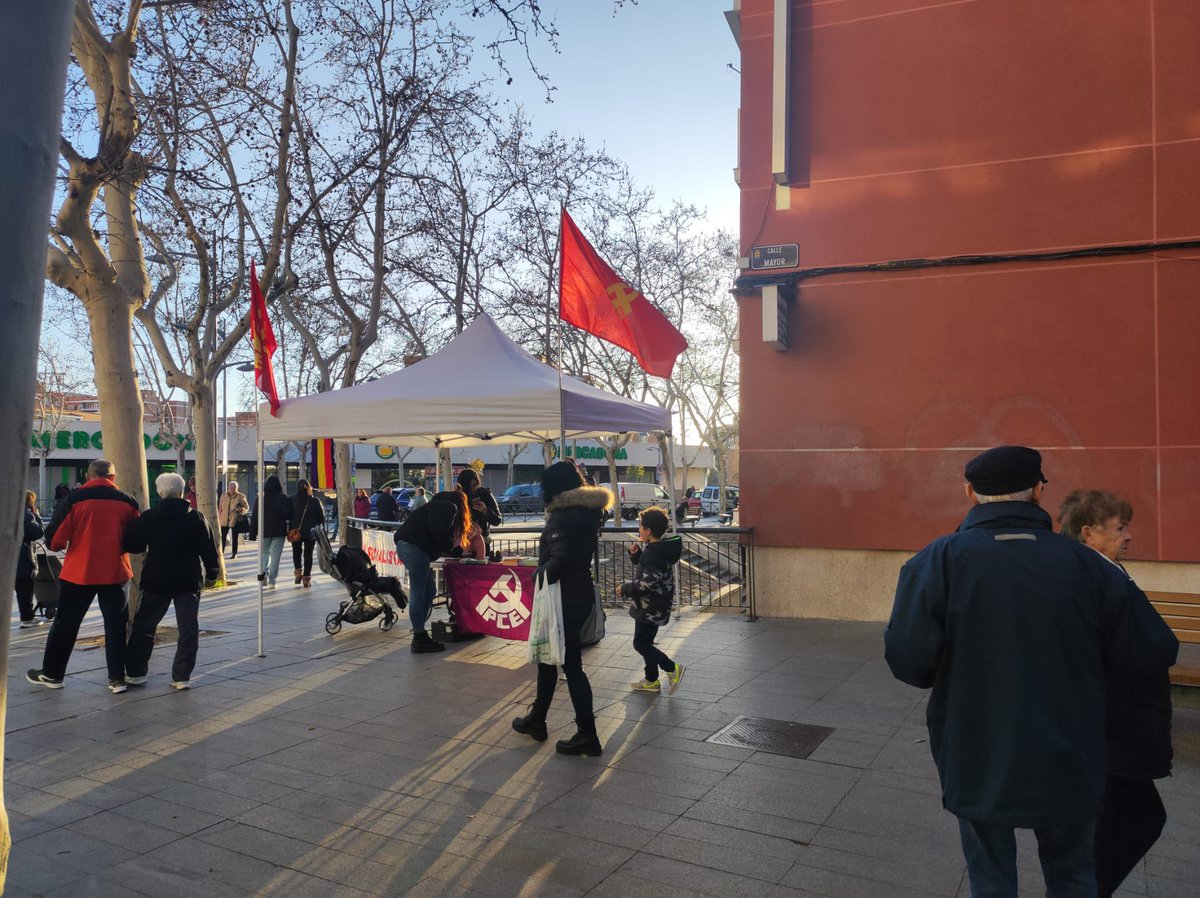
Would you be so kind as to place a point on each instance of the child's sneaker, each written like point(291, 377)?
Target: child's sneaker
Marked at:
point(674, 677)
point(645, 685)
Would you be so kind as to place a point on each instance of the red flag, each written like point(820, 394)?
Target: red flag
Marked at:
point(594, 299)
point(322, 466)
point(262, 338)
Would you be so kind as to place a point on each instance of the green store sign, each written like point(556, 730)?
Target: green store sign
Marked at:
point(593, 452)
point(81, 439)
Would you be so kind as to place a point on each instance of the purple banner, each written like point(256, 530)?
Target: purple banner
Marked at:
point(495, 599)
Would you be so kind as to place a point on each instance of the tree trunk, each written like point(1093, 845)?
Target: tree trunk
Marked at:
point(43, 477)
point(202, 398)
point(110, 319)
point(33, 74)
point(341, 483)
point(610, 455)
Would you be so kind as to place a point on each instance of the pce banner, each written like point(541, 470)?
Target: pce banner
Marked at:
point(495, 599)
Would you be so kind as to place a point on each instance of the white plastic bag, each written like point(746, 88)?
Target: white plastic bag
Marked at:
point(546, 643)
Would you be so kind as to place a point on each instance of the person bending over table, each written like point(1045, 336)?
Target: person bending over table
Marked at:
point(439, 527)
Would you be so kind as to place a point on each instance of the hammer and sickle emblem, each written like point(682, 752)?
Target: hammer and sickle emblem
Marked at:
point(622, 297)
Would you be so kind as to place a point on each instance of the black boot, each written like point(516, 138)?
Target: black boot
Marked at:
point(532, 725)
point(584, 742)
point(422, 642)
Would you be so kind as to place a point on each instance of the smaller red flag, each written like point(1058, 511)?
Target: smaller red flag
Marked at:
point(594, 299)
point(262, 338)
point(322, 451)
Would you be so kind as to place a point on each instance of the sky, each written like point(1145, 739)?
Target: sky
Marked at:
point(653, 85)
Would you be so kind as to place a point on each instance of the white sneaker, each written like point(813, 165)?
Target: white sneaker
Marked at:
point(26, 624)
point(271, 586)
point(135, 681)
point(181, 684)
point(116, 687)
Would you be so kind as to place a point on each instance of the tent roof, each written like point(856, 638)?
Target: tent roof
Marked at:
point(479, 388)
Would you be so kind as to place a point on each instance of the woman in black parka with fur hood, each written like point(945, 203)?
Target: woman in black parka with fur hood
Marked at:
point(574, 515)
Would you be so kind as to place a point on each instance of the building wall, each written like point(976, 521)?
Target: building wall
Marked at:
point(927, 129)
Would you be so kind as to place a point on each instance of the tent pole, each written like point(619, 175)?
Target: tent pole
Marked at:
point(262, 569)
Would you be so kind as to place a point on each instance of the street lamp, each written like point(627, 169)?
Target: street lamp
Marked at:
point(223, 371)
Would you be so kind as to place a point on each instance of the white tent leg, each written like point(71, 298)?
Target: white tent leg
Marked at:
point(262, 568)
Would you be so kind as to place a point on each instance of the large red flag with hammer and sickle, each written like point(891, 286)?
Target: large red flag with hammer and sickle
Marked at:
point(262, 338)
point(594, 299)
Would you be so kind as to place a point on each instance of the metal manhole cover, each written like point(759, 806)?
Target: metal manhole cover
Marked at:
point(779, 737)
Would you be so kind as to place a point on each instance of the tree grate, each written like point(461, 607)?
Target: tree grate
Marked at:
point(778, 737)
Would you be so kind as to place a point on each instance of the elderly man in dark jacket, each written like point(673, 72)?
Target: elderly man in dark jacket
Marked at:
point(176, 541)
point(574, 515)
point(386, 508)
point(1014, 627)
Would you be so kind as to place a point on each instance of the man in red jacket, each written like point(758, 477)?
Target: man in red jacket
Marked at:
point(90, 524)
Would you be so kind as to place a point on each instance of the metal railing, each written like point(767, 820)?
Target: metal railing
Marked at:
point(716, 570)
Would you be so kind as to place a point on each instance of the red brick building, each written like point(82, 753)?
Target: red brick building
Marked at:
point(995, 207)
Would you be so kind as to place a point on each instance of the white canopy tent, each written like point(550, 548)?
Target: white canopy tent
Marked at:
point(479, 388)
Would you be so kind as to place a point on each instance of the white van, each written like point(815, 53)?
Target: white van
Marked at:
point(636, 496)
point(710, 499)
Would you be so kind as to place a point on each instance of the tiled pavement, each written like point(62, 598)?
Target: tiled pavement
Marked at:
point(346, 766)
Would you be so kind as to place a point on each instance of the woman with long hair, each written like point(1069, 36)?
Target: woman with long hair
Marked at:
point(34, 530)
point(277, 513)
point(362, 503)
point(306, 514)
point(439, 527)
point(574, 515)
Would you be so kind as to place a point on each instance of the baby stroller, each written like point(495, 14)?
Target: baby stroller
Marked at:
point(370, 594)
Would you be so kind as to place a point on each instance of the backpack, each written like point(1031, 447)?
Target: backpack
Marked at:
point(354, 566)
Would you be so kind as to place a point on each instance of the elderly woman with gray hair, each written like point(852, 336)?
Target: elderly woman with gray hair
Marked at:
point(176, 541)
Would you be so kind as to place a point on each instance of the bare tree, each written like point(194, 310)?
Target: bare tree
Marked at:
point(105, 267)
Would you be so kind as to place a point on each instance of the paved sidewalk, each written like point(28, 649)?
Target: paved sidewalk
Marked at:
point(346, 766)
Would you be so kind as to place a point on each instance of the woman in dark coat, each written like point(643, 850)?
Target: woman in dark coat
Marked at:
point(276, 519)
point(437, 528)
point(1138, 713)
point(34, 530)
point(306, 514)
point(574, 515)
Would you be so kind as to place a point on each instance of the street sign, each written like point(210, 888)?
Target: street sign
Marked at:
point(784, 255)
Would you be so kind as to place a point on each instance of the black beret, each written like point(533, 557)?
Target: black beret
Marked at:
point(1004, 469)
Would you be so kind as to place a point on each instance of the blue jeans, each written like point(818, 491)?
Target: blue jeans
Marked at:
point(421, 585)
point(272, 552)
point(1065, 852)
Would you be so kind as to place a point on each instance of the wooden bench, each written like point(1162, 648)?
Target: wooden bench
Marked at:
point(1181, 612)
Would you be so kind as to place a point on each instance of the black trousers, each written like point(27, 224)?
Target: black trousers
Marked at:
point(574, 617)
point(305, 546)
point(1130, 822)
point(24, 587)
point(151, 610)
point(74, 600)
point(224, 532)
point(643, 644)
